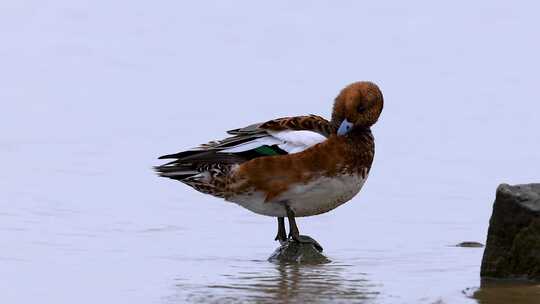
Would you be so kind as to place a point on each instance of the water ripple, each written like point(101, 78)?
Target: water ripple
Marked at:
point(271, 283)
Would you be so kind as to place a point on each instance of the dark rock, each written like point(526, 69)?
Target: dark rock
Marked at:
point(300, 253)
point(513, 242)
point(470, 245)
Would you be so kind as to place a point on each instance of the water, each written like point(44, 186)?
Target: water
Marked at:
point(92, 92)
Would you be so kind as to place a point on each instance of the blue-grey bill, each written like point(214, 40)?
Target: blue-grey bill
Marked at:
point(345, 127)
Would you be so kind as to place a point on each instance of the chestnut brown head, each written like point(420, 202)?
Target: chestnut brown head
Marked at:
point(357, 106)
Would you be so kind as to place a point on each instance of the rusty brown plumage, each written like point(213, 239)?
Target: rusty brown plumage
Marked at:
point(274, 175)
point(213, 170)
point(360, 103)
point(309, 123)
point(291, 166)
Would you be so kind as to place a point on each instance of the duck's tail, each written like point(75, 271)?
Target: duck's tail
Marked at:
point(176, 171)
point(205, 171)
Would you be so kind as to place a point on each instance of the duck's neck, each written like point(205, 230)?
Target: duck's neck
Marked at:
point(362, 136)
point(359, 131)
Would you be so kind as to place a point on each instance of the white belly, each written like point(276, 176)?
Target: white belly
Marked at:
point(317, 196)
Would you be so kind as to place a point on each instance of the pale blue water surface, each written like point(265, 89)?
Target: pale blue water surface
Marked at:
point(92, 91)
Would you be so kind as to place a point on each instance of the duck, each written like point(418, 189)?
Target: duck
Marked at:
point(288, 167)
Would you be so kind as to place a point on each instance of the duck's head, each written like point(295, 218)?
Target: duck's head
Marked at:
point(357, 106)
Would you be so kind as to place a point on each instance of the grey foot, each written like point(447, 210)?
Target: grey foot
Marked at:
point(281, 234)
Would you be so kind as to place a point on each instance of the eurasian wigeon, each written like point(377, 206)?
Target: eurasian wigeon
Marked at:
point(289, 167)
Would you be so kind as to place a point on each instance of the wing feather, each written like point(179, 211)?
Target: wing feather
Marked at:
point(254, 144)
point(289, 141)
point(275, 137)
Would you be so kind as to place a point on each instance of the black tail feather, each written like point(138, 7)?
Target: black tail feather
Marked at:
point(180, 154)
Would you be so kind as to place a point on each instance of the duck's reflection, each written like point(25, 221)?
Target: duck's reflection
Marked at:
point(290, 283)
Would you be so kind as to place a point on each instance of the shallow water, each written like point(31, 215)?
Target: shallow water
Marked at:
point(91, 234)
point(92, 92)
point(500, 292)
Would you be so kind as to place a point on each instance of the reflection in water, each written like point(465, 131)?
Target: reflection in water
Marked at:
point(500, 292)
point(286, 283)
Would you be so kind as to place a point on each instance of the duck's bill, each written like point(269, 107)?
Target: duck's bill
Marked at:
point(345, 127)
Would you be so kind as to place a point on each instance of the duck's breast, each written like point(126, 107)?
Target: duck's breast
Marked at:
point(317, 196)
point(323, 194)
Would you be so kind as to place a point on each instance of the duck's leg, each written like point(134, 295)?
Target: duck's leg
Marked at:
point(294, 233)
point(281, 233)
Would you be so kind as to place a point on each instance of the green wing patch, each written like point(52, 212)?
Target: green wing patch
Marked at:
point(267, 150)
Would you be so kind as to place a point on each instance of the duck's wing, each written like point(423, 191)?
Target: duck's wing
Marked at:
point(275, 137)
point(289, 134)
point(311, 123)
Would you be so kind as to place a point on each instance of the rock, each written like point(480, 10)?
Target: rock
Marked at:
point(513, 242)
point(302, 253)
point(470, 245)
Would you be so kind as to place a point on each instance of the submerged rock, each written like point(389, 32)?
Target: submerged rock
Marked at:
point(470, 245)
point(303, 253)
point(513, 242)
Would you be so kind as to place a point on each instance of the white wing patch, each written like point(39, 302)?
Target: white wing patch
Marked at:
point(288, 140)
point(297, 141)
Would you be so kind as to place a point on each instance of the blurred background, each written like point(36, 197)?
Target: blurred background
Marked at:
point(91, 92)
